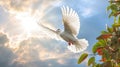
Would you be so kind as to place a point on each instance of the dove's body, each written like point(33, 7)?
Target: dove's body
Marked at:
point(68, 37)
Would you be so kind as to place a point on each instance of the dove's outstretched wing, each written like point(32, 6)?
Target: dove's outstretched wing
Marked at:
point(70, 20)
point(51, 33)
point(47, 28)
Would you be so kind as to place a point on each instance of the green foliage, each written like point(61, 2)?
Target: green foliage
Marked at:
point(119, 20)
point(91, 61)
point(114, 7)
point(108, 45)
point(104, 32)
point(116, 25)
point(110, 29)
point(100, 43)
point(82, 57)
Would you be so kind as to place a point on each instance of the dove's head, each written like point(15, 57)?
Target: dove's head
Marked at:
point(58, 31)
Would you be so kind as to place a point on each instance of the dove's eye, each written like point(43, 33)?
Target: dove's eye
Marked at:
point(58, 29)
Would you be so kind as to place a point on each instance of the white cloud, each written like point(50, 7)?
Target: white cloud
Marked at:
point(35, 46)
point(14, 24)
point(87, 12)
point(33, 49)
point(87, 8)
point(61, 61)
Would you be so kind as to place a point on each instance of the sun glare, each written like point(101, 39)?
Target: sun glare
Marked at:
point(28, 23)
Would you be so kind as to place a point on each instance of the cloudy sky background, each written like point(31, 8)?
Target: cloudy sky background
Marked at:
point(23, 43)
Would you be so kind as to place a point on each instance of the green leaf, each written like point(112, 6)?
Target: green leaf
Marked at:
point(95, 47)
point(119, 20)
point(108, 8)
point(100, 43)
point(116, 25)
point(111, 14)
point(113, 7)
point(110, 29)
point(91, 61)
point(115, 20)
point(106, 54)
point(104, 36)
point(98, 65)
point(104, 32)
point(82, 57)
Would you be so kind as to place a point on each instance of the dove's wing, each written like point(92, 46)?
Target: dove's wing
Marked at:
point(70, 20)
point(50, 33)
point(47, 28)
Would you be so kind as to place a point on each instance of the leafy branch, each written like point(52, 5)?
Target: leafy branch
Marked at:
point(108, 45)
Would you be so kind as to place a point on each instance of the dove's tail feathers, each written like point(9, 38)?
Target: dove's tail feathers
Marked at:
point(78, 46)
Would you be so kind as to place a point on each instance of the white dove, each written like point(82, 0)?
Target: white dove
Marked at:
point(71, 29)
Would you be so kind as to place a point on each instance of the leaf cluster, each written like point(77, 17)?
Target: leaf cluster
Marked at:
point(114, 7)
point(108, 44)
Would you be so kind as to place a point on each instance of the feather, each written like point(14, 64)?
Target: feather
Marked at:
point(70, 20)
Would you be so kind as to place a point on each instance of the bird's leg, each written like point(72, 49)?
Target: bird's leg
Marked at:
point(70, 43)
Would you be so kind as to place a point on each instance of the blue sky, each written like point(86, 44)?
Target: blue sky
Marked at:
point(24, 44)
